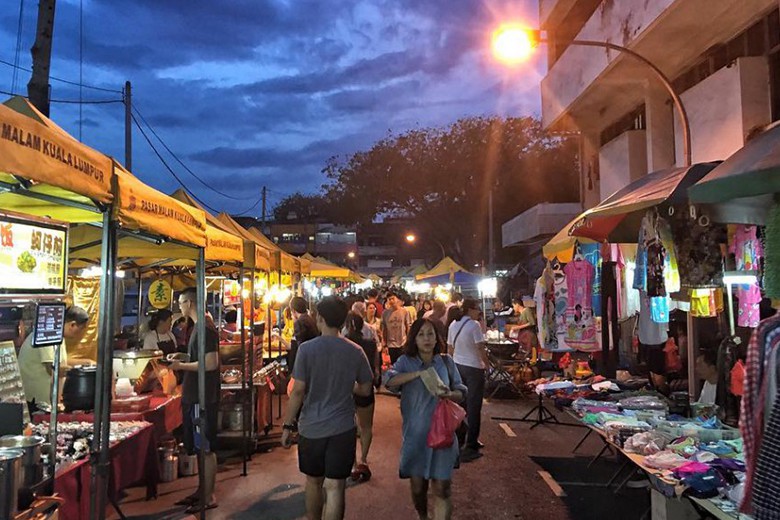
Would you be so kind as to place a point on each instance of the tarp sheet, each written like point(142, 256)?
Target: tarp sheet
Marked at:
point(618, 217)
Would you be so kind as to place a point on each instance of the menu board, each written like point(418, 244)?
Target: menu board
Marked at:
point(49, 324)
point(33, 257)
point(231, 293)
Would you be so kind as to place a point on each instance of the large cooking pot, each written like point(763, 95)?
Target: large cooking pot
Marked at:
point(78, 392)
point(10, 478)
point(32, 465)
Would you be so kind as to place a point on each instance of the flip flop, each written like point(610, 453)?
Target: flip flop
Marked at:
point(188, 500)
point(195, 508)
point(364, 473)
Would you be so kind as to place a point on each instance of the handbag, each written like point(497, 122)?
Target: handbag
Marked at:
point(463, 427)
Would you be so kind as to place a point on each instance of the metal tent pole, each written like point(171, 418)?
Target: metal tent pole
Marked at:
point(244, 361)
point(100, 457)
point(200, 330)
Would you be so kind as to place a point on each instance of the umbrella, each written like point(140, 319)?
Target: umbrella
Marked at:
point(743, 187)
point(619, 216)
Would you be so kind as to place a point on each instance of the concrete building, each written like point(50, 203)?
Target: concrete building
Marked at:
point(723, 57)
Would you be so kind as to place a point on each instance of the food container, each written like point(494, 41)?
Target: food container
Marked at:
point(188, 464)
point(32, 464)
point(235, 418)
point(231, 354)
point(78, 392)
point(10, 481)
point(169, 465)
point(134, 404)
point(132, 363)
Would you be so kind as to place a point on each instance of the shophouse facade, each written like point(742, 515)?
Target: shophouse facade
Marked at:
point(722, 56)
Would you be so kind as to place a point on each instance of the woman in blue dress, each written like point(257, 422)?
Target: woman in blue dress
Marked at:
point(419, 463)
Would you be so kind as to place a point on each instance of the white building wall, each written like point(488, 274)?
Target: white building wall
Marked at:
point(622, 160)
point(724, 108)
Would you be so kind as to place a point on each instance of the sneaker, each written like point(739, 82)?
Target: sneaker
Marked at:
point(469, 455)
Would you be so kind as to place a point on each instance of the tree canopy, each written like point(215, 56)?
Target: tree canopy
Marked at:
point(441, 177)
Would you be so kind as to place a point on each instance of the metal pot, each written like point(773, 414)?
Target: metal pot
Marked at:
point(32, 464)
point(169, 465)
point(235, 418)
point(10, 480)
point(78, 392)
point(188, 464)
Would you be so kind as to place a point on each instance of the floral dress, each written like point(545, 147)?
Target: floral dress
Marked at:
point(417, 406)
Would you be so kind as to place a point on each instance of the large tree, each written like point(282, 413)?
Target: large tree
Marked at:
point(441, 178)
point(301, 207)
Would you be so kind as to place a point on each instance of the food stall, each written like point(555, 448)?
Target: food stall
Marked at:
point(47, 178)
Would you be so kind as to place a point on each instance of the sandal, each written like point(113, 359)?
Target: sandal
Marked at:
point(364, 474)
point(194, 509)
point(188, 500)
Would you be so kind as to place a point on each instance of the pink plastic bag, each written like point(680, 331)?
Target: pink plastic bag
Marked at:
point(446, 418)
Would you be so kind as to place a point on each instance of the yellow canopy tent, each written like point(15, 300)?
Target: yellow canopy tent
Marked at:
point(287, 262)
point(46, 172)
point(445, 266)
point(322, 268)
point(305, 264)
point(278, 260)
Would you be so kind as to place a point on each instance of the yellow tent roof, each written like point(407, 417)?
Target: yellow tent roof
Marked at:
point(305, 265)
point(287, 262)
point(270, 260)
point(34, 150)
point(445, 266)
point(322, 268)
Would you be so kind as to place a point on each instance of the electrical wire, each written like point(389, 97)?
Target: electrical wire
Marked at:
point(74, 101)
point(178, 179)
point(170, 170)
point(68, 82)
point(204, 183)
point(18, 46)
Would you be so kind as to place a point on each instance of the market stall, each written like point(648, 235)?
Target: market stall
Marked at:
point(44, 172)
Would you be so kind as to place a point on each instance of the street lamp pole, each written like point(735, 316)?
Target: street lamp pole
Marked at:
point(678, 104)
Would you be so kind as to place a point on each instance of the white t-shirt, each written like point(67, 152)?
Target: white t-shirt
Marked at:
point(152, 338)
point(35, 378)
point(469, 335)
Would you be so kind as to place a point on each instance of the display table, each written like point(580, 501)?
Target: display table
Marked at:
point(133, 461)
point(164, 413)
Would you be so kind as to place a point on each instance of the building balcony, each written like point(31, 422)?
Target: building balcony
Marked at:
point(540, 221)
point(590, 88)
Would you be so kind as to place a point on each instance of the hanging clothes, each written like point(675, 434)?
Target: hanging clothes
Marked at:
point(579, 320)
point(671, 271)
point(699, 257)
point(561, 301)
point(747, 248)
point(749, 312)
point(764, 339)
point(544, 295)
point(650, 332)
point(592, 253)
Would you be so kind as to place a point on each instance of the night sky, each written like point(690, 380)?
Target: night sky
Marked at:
point(263, 92)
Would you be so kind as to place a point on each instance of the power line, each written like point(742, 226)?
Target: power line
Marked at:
point(175, 176)
point(204, 183)
point(68, 82)
point(170, 170)
point(73, 101)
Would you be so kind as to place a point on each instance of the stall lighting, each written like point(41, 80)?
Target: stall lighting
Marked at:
point(740, 278)
point(326, 291)
point(441, 293)
point(95, 271)
point(488, 287)
point(244, 294)
point(277, 294)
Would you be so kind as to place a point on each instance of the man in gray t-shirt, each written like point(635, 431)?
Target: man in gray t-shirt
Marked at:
point(328, 371)
point(395, 326)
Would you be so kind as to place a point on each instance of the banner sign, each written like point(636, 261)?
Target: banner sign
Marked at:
point(231, 294)
point(160, 294)
point(33, 257)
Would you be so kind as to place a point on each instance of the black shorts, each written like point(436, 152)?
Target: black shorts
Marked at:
point(362, 401)
point(329, 457)
point(655, 357)
point(209, 426)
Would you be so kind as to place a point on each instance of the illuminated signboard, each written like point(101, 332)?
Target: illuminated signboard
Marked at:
point(33, 257)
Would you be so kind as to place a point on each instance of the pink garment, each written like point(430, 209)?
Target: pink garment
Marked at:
point(691, 468)
point(749, 313)
point(747, 248)
point(580, 328)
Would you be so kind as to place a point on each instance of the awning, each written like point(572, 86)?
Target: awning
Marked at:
point(618, 218)
point(457, 278)
point(743, 187)
point(561, 246)
point(287, 262)
point(37, 154)
point(446, 266)
point(139, 207)
point(322, 268)
point(266, 259)
point(305, 266)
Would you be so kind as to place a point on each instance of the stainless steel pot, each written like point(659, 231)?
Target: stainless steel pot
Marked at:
point(10, 479)
point(169, 465)
point(32, 464)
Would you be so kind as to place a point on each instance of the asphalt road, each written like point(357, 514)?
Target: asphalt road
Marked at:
point(504, 484)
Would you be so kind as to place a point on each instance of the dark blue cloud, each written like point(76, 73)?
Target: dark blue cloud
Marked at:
point(262, 92)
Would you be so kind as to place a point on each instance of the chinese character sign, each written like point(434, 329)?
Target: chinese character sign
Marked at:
point(32, 257)
point(160, 294)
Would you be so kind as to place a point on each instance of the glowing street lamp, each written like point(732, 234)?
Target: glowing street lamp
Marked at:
point(351, 254)
point(513, 43)
point(411, 238)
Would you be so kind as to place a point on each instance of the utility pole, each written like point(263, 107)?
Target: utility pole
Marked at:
point(491, 244)
point(38, 86)
point(263, 218)
point(128, 126)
